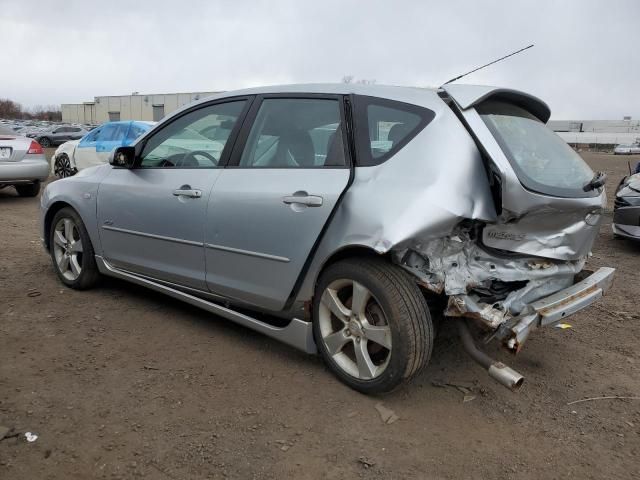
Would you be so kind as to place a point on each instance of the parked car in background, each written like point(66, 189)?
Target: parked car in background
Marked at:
point(60, 134)
point(627, 149)
point(34, 132)
point(95, 147)
point(337, 218)
point(23, 164)
point(626, 213)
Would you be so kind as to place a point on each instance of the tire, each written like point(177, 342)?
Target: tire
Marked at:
point(392, 326)
point(62, 167)
point(28, 190)
point(72, 254)
point(44, 142)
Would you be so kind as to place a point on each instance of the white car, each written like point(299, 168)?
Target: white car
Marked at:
point(627, 149)
point(95, 147)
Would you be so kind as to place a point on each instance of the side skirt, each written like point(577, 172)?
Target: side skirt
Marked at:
point(298, 333)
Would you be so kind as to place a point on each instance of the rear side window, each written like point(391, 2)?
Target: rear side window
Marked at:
point(383, 127)
point(543, 161)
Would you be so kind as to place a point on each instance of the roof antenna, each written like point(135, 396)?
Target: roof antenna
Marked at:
point(486, 65)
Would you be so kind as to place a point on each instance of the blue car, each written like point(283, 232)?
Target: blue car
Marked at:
point(95, 147)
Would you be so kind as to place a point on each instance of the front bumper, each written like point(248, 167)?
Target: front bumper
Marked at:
point(25, 170)
point(555, 308)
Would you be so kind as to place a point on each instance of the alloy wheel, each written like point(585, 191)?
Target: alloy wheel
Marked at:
point(354, 329)
point(67, 248)
point(62, 167)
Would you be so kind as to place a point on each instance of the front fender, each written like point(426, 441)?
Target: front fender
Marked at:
point(80, 192)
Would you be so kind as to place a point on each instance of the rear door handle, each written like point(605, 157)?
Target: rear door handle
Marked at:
point(187, 191)
point(308, 200)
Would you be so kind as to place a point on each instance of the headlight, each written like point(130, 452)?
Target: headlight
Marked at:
point(633, 200)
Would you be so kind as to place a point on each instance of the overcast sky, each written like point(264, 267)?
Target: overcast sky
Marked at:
point(585, 63)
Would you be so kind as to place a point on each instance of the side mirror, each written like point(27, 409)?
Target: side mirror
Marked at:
point(123, 157)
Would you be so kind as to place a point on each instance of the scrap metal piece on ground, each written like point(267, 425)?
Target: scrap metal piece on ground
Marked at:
point(387, 415)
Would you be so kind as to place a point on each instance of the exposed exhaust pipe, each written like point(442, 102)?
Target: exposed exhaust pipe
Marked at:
point(497, 370)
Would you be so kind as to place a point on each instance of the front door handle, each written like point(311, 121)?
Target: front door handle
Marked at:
point(187, 191)
point(308, 200)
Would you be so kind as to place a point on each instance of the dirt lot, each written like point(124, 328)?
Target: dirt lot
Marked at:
point(120, 382)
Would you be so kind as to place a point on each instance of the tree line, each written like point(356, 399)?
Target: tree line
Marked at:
point(13, 111)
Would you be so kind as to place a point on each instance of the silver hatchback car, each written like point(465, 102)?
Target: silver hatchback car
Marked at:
point(346, 219)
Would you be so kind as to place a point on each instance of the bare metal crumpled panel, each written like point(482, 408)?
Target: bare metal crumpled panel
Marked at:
point(455, 265)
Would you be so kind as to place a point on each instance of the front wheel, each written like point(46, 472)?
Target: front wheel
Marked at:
point(371, 324)
point(44, 142)
point(71, 251)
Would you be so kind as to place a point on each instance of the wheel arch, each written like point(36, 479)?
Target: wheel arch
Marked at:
point(349, 251)
point(54, 208)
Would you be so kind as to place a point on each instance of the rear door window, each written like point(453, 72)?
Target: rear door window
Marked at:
point(383, 127)
point(543, 161)
point(295, 133)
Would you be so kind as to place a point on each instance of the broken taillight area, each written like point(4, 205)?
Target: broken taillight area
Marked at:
point(485, 285)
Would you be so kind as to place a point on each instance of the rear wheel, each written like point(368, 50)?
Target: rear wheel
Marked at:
point(371, 324)
point(29, 189)
point(71, 251)
point(62, 166)
point(45, 142)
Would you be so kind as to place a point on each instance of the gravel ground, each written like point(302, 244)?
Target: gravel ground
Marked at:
point(120, 382)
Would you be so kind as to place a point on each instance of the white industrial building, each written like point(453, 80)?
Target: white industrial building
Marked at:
point(128, 107)
point(597, 132)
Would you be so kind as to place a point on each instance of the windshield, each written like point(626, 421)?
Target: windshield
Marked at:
point(543, 161)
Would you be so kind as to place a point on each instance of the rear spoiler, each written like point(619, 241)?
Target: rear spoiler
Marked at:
point(468, 96)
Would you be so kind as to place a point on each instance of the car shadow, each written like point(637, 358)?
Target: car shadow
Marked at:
point(183, 312)
point(9, 194)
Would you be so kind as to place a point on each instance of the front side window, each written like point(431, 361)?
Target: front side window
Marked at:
point(195, 140)
point(106, 133)
point(543, 161)
point(383, 127)
point(295, 133)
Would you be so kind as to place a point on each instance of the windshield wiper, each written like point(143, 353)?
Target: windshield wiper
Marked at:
point(597, 181)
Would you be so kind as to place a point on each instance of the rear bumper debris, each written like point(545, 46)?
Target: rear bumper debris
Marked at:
point(555, 308)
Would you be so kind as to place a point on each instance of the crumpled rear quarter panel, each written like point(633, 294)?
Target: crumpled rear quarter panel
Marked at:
point(420, 193)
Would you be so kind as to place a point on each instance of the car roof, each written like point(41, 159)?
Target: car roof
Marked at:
point(465, 95)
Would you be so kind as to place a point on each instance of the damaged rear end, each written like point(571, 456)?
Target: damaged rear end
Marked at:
point(524, 270)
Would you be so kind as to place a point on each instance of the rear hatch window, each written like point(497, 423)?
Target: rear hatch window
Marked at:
point(543, 161)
